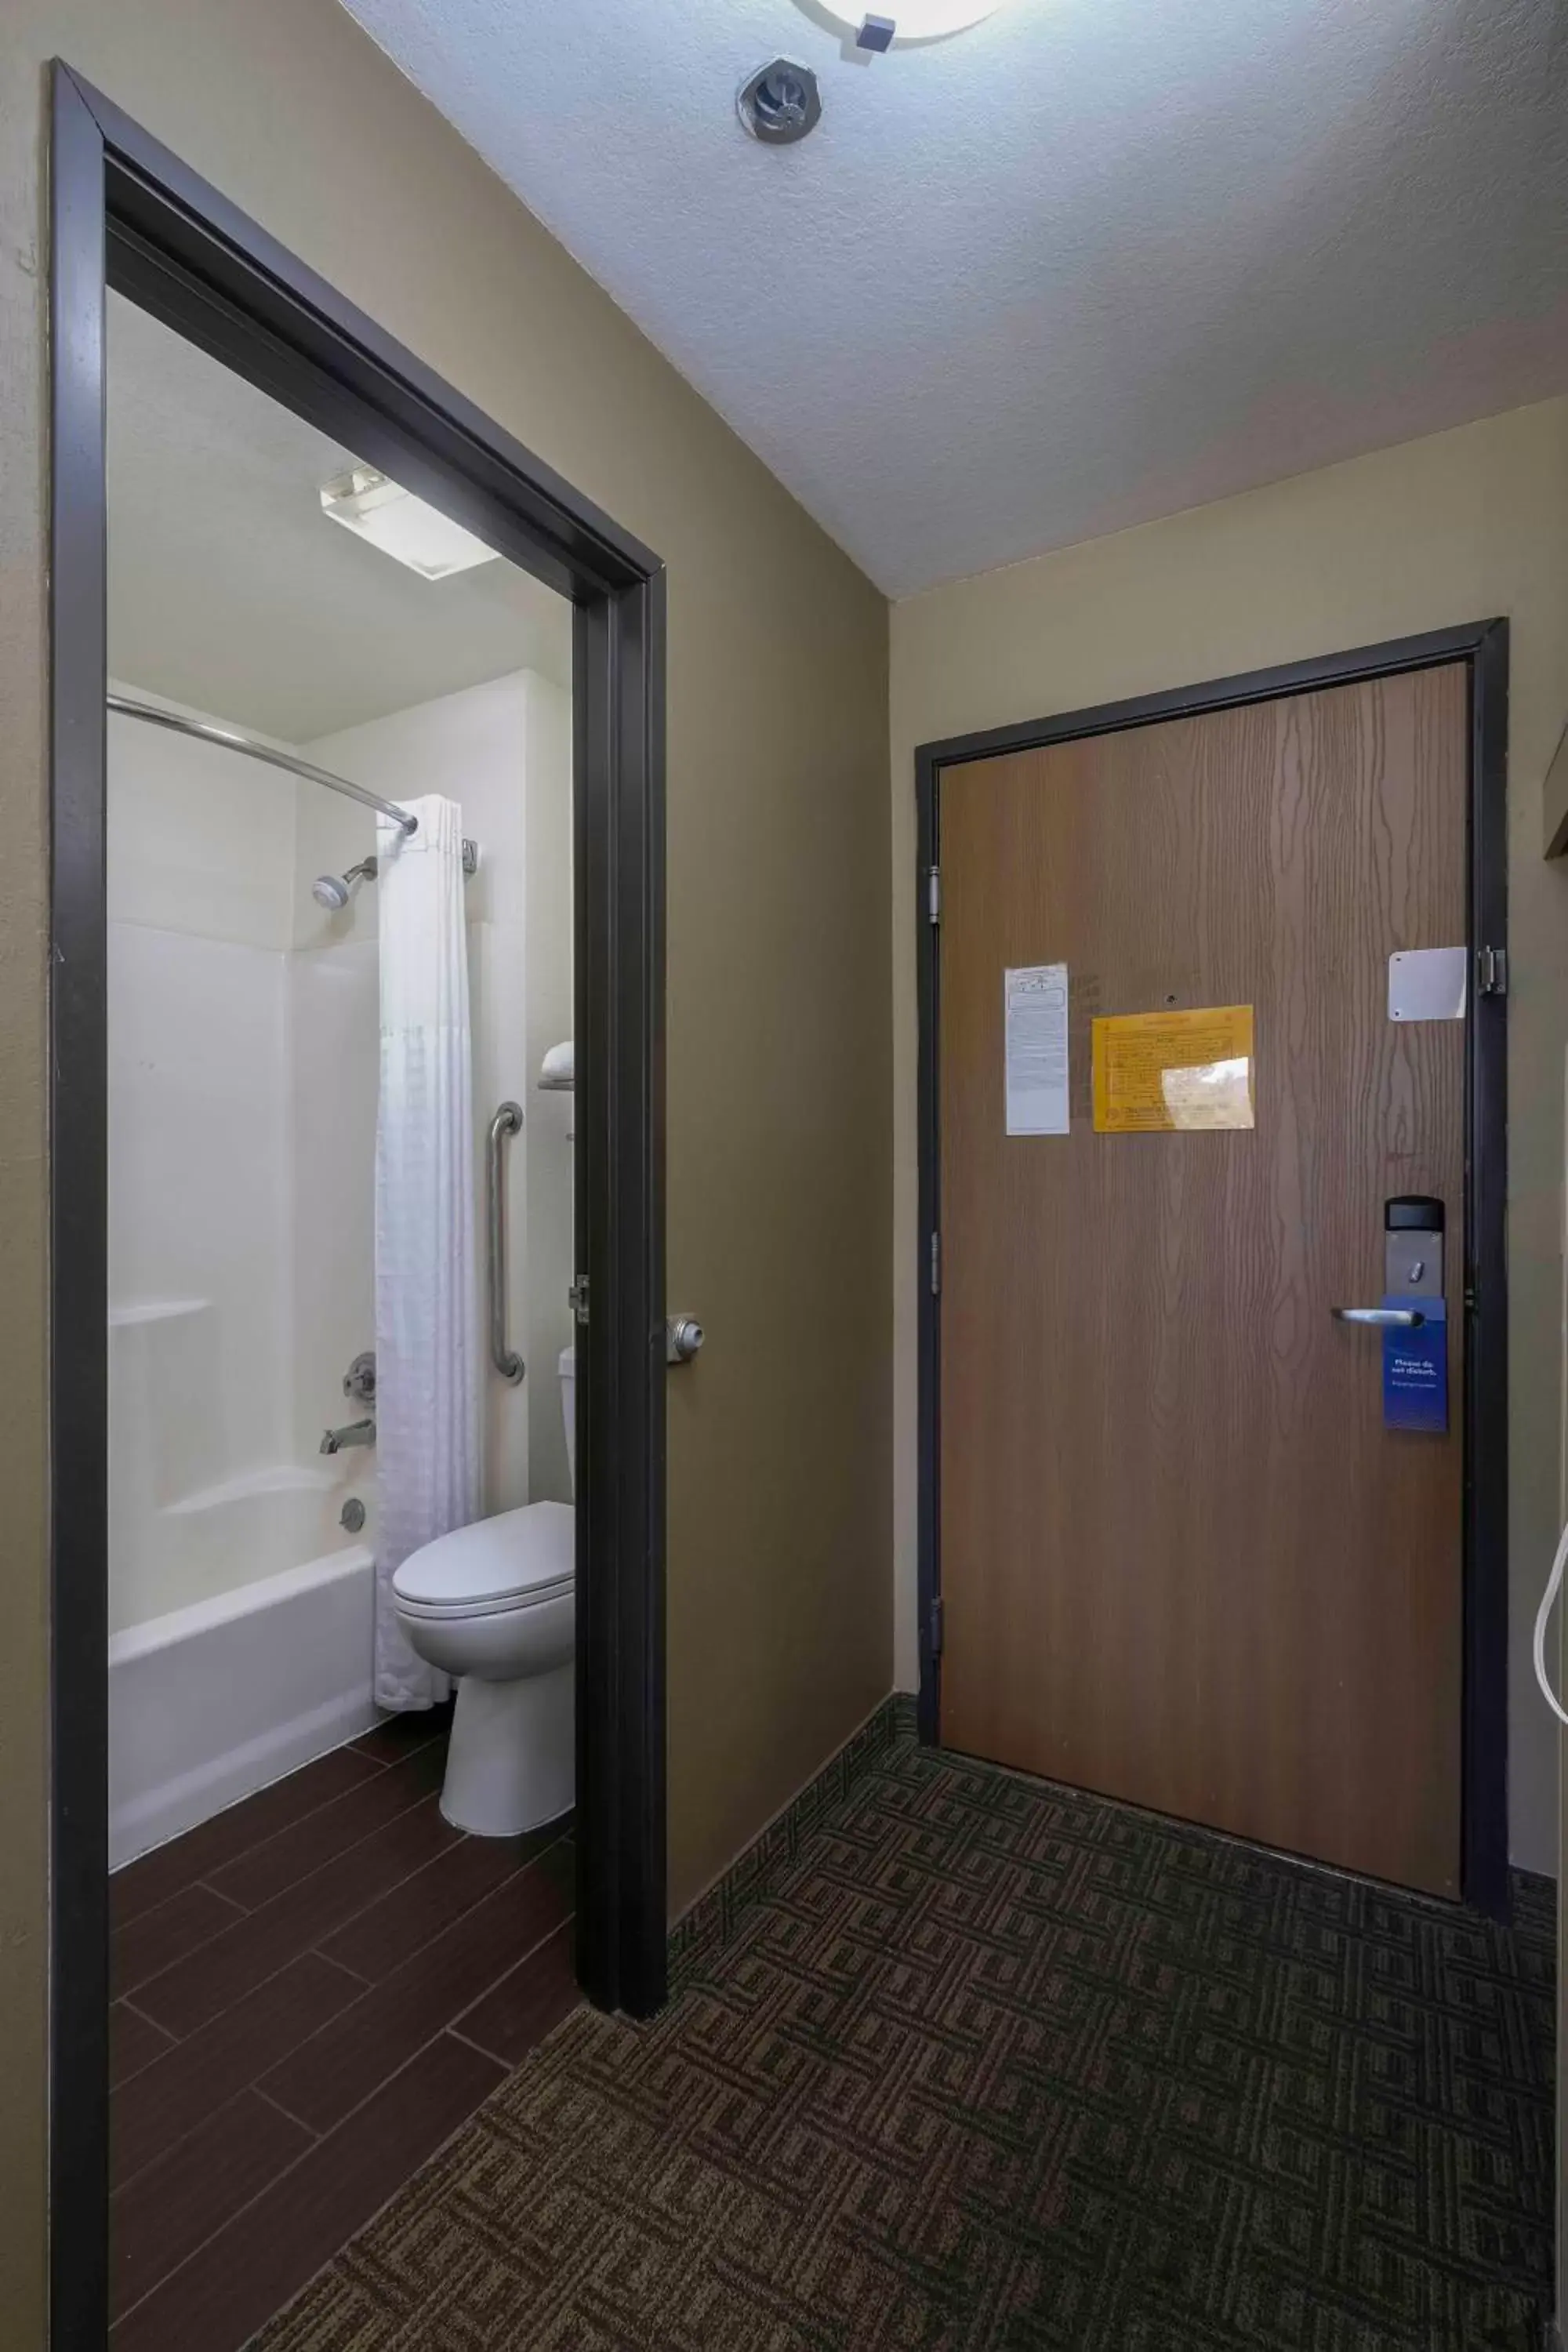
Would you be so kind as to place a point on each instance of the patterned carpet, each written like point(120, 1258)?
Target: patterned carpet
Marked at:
point(996, 2067)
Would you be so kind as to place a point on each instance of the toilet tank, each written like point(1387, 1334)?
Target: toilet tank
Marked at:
point(566, 1366)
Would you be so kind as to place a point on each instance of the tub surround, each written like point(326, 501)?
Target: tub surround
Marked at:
point(211, 1485)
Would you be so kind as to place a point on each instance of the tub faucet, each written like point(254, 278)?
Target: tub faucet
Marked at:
point(357, 1433)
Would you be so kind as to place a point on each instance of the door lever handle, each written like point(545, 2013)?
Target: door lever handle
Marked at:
point(1387, 1319)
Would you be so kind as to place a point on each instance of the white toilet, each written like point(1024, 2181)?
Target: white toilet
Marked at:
point(492, 1604)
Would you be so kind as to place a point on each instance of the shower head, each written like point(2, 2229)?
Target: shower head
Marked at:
point(332, 890)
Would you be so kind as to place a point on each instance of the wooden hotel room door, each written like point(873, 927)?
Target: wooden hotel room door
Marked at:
point(1184, 1562)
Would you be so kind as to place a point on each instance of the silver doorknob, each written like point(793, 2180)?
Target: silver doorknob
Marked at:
point(682, 1338)
point(1387, 1319)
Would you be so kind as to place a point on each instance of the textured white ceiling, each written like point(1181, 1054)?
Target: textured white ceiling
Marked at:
point(230, 590)
point(1088, 263)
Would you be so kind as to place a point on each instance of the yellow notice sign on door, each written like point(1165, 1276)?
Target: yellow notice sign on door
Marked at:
point(1155, 1073)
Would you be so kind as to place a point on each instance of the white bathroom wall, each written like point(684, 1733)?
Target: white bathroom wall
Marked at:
point(199, 840)
point(332, 998)
point(201, 870)
point(547, 1133)
point(502, 751)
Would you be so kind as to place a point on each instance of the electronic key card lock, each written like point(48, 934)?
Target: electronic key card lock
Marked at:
point(1413, 1315)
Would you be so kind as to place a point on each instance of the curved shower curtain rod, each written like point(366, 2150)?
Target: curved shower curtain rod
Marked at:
point(232, 740)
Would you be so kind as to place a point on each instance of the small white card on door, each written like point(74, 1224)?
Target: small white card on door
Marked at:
point(1035, 1025)
point(1428, 983)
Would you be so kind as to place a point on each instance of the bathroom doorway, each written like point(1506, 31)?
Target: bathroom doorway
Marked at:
point(358, 1238)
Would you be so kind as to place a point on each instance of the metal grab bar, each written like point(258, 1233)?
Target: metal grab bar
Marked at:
point(508, 1120)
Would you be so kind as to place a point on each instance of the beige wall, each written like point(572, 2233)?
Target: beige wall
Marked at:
point(779, 1097)
point(1454, 528)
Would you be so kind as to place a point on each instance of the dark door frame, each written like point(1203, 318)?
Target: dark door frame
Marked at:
point(1483, 646)
point(127, 214)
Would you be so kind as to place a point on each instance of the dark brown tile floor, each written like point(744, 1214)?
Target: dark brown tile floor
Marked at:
point(313, 1991)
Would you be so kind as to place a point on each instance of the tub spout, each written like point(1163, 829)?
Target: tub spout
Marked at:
point(357, 1433)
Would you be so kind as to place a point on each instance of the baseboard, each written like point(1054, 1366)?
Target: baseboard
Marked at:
point(704, 1930)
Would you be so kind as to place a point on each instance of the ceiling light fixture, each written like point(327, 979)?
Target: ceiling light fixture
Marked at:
point(374, 507)
point(908, 20)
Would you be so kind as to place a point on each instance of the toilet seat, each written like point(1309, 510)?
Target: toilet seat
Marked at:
point(518, 1559)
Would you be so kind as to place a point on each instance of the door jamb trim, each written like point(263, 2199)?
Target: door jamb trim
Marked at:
point(1483, 646)
point(125, 212)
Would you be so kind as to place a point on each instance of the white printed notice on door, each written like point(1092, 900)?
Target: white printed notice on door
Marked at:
point(1034, 1021)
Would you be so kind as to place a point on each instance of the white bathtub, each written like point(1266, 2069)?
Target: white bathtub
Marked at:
point(212, 1700)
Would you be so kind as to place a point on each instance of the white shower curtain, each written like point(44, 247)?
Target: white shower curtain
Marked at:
point(427, 1284)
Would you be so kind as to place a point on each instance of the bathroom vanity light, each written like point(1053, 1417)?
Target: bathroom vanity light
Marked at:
point(376, 508)
point(908, 20)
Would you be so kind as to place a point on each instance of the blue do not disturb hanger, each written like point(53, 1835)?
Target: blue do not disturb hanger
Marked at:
point(1415, 1366)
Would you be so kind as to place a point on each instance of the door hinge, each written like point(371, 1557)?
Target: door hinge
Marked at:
point(936, 1266)
point(934, 894)
point(1491, 971)
point(936, 1627)
point(578, 1298)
